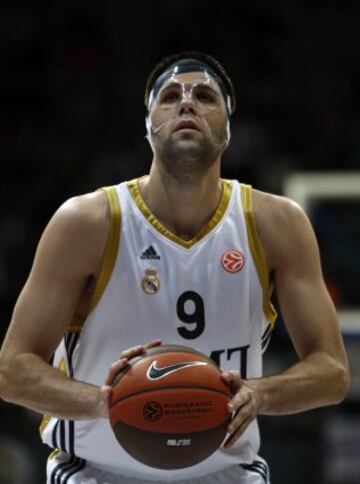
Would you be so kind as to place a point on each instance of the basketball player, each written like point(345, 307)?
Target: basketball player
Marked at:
point(180, 255)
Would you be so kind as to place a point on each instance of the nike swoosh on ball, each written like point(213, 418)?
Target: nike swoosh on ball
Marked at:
point(154, 373)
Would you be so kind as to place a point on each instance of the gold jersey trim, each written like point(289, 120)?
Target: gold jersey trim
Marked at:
point(109, 258)
point(133, 188)
point(53, 454)
point(44, 423)
point(257, 252)
point(112, 247)
point(77, 324)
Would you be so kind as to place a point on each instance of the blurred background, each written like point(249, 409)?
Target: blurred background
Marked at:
point(72, 119)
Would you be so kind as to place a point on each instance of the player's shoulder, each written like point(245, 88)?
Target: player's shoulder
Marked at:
point(282, 225)
point(276, 208)
point(81, 223)
point(88, 211)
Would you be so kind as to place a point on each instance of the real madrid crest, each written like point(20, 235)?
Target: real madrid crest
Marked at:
point(150, 282)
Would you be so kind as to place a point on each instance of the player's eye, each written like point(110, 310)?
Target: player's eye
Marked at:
point(206, 96)
point(170, 96)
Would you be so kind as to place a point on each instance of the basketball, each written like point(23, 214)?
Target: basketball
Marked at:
point(168, 407)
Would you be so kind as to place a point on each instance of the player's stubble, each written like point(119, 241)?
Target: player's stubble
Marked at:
point(187, 158)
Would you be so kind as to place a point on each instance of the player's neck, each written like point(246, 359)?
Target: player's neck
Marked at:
point(182, 208)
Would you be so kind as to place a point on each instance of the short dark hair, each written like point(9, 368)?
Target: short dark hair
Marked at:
point(206, 58)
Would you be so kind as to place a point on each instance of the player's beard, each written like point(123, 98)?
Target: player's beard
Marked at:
point(187, 161)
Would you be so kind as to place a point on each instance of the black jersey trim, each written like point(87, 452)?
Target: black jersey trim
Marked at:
point(59, 470)
point(266, 332)
point(71, 437)
point(71, 340)
point(258, 467)
point(62, 472)
point(79, 467)
point(54, 436)
point(266, 337)
point(62, 436)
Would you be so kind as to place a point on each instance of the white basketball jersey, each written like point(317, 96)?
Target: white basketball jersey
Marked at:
point(210, 293)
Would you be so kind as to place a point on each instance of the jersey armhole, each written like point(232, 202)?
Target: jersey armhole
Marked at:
point(109, 257)
point(257, 252)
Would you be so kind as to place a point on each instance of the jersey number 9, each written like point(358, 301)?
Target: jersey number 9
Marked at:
point(194, 319)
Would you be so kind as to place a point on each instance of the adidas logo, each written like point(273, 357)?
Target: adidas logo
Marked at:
point(150, 253)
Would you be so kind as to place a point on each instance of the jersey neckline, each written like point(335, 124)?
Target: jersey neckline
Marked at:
point(134, 191)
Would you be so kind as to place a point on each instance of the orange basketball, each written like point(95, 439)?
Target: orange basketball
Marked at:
point(168, 407)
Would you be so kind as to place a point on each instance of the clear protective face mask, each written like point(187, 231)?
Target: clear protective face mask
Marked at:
point(202, 95)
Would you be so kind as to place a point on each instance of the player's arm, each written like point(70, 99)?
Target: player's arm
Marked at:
point(321, 377)
point(68, 255)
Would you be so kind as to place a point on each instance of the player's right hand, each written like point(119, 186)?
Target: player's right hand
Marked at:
point(115, 368)
point(125, 356)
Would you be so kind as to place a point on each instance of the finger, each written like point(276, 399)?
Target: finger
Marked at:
point(234, 436)
point(114, 369)
point(239, 400)
point(243, 413)
point(231, 376)
point(233, 379)
point(105, 391)
point(152, 344)
point(139, 349)
point(134, 351)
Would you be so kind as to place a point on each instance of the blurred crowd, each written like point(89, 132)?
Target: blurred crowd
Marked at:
point(72, 116)
point(72, 82)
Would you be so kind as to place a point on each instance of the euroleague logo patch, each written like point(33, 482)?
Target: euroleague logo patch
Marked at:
point(152, 411)
point(232, 261)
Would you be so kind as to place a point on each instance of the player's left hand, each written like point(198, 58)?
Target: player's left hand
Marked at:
point(244, 406)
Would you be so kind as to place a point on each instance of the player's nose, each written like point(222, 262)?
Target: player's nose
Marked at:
point(187, 106)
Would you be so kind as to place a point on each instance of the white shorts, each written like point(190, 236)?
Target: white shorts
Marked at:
point(65, 469)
